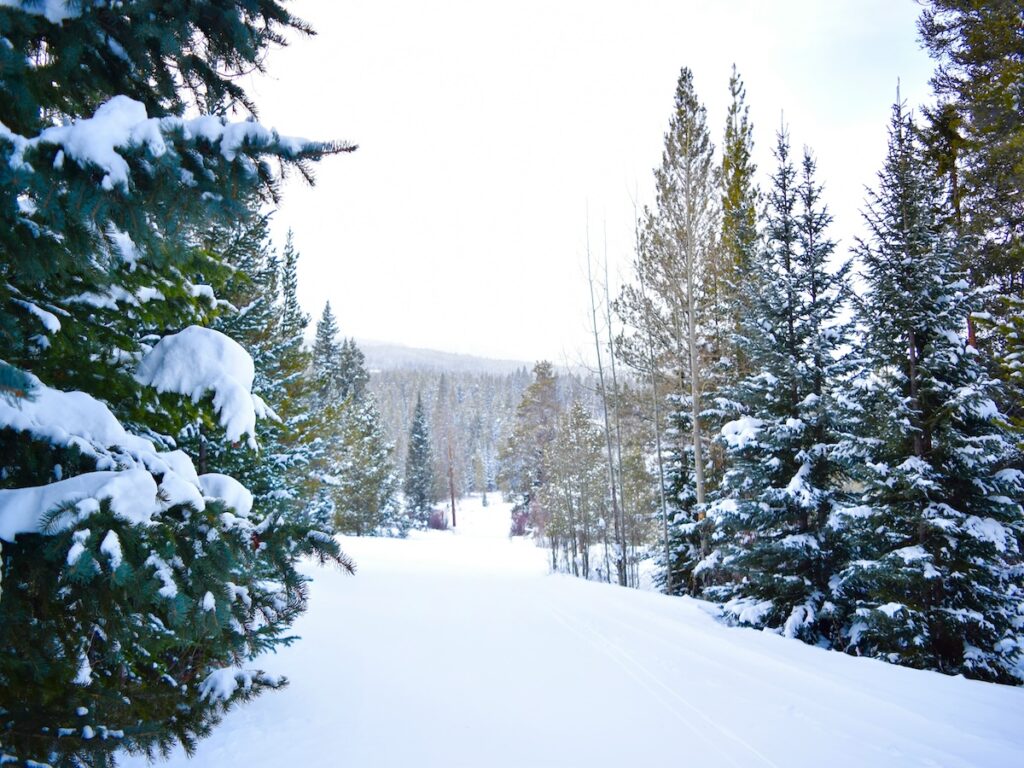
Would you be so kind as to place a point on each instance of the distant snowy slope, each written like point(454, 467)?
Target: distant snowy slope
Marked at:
point(383, 356)
point(458, 649)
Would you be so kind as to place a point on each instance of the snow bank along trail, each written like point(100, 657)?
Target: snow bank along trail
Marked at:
point(459, 649)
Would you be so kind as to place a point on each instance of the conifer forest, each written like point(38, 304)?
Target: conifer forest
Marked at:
point(769, 510)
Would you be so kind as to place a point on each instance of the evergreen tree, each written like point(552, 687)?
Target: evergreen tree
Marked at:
point(133, 559)
point(782, 481)
point(522, 458)
point(980, 123)
point(680, 253)
point(366, 501)
point(419, 471)
point(352, 373)
point(932, 578)
point(327, 371)
point(739, 211)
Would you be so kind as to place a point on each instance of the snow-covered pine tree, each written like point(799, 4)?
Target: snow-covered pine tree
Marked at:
point(774, 549)
point(352, 374)
point(419, 468)
point(522, 457)
point(119, 559)
point(365, 487)
point(326, 370)
point(933, 575)
point(366, 497)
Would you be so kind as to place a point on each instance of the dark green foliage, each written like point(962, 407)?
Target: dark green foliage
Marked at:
point(933, 577)
point(773, 543)
point(102, 258)
point(979, 128)
point(419, 472)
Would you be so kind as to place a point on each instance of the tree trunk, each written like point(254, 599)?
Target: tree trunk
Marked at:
point(620, 563)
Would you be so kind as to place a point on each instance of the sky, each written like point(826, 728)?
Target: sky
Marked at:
point(495, 138)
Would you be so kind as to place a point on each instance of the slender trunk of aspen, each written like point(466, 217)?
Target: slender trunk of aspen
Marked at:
point(451, 477)
point(691, 333)
point(623, 529)
point(620, 565)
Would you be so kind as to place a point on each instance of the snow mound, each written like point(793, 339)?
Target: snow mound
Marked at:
point(197, 361)
point(132, 496)
point(225, 488)
point(71, 419)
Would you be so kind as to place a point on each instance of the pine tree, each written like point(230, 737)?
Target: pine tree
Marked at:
point(783, 482)
point(366, 501)
point(740, 198)
point(680, 246)
point(522, 458)
point(352, 373)
point(981, 121)
point(133, 559)
point(419, 472)
point(932, 577)
point(327, 371)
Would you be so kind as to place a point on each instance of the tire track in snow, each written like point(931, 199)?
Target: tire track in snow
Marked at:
point(870, 701)
point(649, 681)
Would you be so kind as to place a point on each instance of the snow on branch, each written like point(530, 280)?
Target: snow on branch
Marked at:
point(54, 11)
point(132, 496)
point(122, 123)
point(198, 361)
point(221, 684)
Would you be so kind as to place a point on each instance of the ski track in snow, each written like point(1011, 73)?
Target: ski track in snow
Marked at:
point(459, 649)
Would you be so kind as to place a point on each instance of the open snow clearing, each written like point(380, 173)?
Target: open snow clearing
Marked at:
point(459, 648)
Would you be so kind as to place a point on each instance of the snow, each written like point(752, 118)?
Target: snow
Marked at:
point(121, 122)
point(741, 432)
point(77, 549)
point(55, 11)
point(132, 496)
point(458, 648)
point(225, 488)
point(111, 547)
point(197, 361)
point(48, 320)
point(69, 418)
point(222, 683)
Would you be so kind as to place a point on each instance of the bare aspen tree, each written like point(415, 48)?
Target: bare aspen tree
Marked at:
point(620, 558)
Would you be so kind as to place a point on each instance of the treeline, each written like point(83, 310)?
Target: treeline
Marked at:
point(170, 448)
point(831, 447)
point(467, 417)
point(582, 485)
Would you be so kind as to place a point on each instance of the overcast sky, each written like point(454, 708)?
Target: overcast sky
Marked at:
point(487, 131)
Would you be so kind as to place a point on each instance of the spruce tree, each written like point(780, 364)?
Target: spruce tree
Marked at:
point(366, 501)
point(327, 373)
point(522, 457)
point(419, 468)
point(352, 374)
point(932, 576)
point(131, 559)
point(783, 481)
point(980, 122)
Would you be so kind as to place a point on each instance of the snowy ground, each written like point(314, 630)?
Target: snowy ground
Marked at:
point(459, 649)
